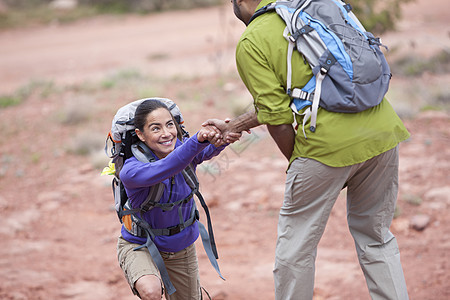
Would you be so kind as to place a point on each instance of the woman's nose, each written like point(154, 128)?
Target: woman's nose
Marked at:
point(166, 131)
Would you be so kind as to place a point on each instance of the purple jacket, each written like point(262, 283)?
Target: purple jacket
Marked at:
point(138, 177)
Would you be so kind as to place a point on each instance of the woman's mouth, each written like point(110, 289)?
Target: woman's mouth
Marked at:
point(167, 143)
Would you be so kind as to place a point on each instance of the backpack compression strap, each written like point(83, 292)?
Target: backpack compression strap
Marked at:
point(207, 235)
point(156, 256)
point(192, 181)
point(144, 154)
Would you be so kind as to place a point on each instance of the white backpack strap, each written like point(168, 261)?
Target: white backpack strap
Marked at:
point(315, 105)
point(324, 68)
point(306, 116)
point(289, 59)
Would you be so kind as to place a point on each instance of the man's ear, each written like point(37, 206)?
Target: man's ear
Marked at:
point(140, 135)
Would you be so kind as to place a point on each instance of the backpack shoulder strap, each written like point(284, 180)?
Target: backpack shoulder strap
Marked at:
point(143, 153)
point(261, 11)
point(190, 177)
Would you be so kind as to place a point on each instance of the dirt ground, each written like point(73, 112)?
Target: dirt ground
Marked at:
point(59, 230)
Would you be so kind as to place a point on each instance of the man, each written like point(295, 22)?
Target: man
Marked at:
point(354, 150)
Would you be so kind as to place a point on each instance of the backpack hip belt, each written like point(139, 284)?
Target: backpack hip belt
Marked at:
point(136, 224)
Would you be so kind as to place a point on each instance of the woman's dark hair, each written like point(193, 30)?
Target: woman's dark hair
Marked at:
point(146, 107)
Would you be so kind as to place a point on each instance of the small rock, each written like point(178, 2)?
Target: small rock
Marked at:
point(412, 199)
point(441, 194)
point(86, 168)
point(400, 225)
point(49, 196)
point(420, 222)
point(64, 4)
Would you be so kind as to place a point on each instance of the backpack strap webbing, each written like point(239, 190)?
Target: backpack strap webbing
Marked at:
point(143, 153)
point(154, 194)
point(156, 256)
point(207, 236)
point(261, 11)
point(192, 181)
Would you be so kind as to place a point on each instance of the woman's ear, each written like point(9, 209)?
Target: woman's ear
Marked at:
point(140, 135)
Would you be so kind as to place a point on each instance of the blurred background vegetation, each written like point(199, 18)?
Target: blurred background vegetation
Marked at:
point(19, 13)
point(377, 16)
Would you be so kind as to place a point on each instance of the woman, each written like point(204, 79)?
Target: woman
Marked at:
point(156, 128)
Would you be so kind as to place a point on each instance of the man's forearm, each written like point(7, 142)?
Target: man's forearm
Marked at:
point(232, 129)
point(284, 136)
point(244, 122)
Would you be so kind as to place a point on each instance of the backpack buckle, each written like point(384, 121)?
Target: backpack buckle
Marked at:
point(323, 71)
point(292, 39)
point(174, 229)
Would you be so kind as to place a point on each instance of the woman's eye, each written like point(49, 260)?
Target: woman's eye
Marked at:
point(155, 129)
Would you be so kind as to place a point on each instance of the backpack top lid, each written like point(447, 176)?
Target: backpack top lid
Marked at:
point(123, 121)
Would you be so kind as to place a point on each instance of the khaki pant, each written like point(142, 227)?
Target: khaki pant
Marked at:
point(182, 267)
point(311, 191)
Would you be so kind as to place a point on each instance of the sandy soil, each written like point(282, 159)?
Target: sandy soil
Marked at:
point(59, 230)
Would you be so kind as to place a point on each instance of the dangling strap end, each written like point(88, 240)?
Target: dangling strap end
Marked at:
point(140, 247)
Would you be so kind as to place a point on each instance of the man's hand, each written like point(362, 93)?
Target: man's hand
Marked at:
point(228, 136)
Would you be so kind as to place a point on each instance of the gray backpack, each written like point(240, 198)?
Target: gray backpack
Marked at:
point(350, 71)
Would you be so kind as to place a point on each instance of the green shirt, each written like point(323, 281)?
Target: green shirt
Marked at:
point(341, 139)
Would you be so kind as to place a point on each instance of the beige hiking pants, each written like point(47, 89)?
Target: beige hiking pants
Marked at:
point(311, 191)
point(182, 267)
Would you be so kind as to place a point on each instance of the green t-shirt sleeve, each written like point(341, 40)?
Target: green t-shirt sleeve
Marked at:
point(270, 99)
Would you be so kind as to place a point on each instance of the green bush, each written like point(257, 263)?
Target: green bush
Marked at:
point(145, 6)
point(416, 66)
point(43, 88)
point(378, 16)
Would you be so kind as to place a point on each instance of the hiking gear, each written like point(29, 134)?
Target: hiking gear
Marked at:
point(109, 170)
point(125, 145)
point(122, 136)
point(350, 71)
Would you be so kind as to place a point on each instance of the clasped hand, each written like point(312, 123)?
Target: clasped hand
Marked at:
point(217, 132)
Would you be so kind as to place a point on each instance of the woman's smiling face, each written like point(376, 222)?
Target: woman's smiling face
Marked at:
point(159, 133)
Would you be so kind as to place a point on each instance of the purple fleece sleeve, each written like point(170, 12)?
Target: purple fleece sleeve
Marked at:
point(136, 174)
point(208, 153)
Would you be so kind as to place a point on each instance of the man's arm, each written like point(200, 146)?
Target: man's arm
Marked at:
point(244, 122)
point(231, 128)
point(284, 136)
